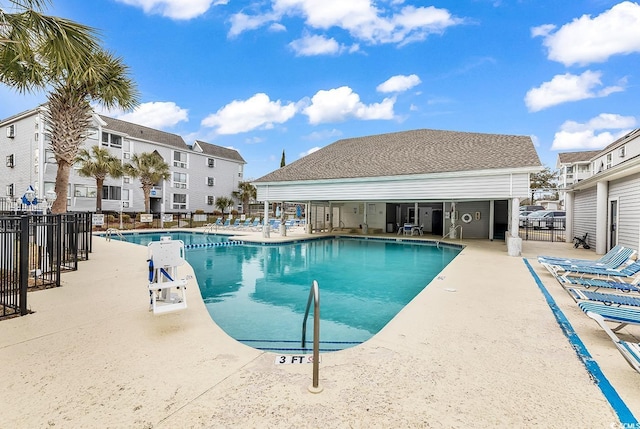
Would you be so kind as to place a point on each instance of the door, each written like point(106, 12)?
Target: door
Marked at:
point(613, 223)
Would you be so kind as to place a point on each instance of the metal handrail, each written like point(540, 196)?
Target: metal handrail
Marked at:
point(448, 234)
point(314, 294)
point(111, 231)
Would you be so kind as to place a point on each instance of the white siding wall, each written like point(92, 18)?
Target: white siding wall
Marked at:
point(627, 191)
point(481, 187)
point(584, 209)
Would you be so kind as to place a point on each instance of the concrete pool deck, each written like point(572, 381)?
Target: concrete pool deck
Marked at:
point(479, 347)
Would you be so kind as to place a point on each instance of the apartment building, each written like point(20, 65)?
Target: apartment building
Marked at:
point(606, 204)
point(200, 173)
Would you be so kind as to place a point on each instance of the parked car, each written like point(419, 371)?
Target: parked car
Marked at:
point(531, 208)
point(522, 220)
point(552, 219)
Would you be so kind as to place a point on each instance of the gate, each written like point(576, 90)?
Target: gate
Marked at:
point(550, 230)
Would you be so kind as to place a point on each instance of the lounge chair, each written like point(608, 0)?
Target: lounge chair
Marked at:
point(605, 298)
point(595, 284)
point(600, 313)
point(615, 261)
point(627, 271)
point(167, 292)
point(606, 258)
point(245, 224)
point(227, 223)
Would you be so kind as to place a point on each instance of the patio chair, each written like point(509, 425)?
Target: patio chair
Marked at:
point(601, 313)
point(618, 263)
point(167, 292)
point(626, 272)
point(605, 259)
point(245, 224)
point(407, 229)
point(605, 298)
point(227, 223)
point(595, 284)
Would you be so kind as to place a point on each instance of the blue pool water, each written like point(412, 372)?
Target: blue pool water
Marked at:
point(258, 293)
point(188, 238)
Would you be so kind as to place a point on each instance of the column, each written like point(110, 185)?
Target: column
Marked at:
point(602, 195)
point(569, 198)
point(265, 221)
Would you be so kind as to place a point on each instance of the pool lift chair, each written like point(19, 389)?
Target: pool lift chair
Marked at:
point(167, 292)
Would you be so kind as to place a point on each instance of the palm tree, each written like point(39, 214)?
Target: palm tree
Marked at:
point(223, 203)
point(69, 113)
point(36, 49)
point(245, 193)
point(150, 168)
point(98, 163)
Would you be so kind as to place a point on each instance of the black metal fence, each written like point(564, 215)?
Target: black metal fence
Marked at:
point(553, 230)
point(34, 250)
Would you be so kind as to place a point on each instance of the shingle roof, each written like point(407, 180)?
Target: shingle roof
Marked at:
point(220, 152)
point(144, 133)
point(573, 157)
point(410, 152)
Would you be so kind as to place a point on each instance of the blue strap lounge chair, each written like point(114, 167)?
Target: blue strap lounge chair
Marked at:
point(605, 259)
point(615, 262)
point(595, 284)
point(600, 313)
point(627, 271)
point(605, 298)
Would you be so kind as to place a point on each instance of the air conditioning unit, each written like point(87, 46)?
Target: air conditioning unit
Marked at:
point(11, 131)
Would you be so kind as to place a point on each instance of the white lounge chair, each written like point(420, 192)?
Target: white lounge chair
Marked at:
point(601, 312)
point(167, 292)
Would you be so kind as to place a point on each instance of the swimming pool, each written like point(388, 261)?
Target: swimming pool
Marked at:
point(258, 293)
point(189, 238)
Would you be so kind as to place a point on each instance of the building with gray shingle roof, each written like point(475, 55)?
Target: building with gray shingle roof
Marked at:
point(441, 180)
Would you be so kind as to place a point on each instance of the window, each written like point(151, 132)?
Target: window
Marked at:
point(125, 198)
point(622, 152)
point(179, 159)
point(85, 191)
point(9, 190)
point(179, 201)
point(127, 155)
point(180, 180)
point(211, 162)
point(126, 179)
point(210, 200)
point(11, 131)
point(111, 140)
point(111, 193)
point(10, 161)
point(49, 156)
point(211, 181)
point(240, 171)
point(608, 160)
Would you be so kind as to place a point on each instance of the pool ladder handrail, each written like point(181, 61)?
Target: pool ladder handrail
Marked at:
point(314, 295)
point(111, 231)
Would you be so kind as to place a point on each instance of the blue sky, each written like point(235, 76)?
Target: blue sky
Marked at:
point(296, 75)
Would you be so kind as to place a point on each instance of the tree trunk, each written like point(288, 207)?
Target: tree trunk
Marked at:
point(99, 186)
point(146, 189)
point(61, 188)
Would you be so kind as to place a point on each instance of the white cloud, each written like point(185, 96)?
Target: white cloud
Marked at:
point(310, 45)
point(362, 19)
point(258, 112)
point(159, 114)
point(310, 151)
point(339, 104)
point(595, 134)
point(175, 9)
point(567, 87)
point(399, 83)
point(588, 40)
point(323, 135)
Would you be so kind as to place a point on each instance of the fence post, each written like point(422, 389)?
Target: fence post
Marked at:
point(24, 263)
